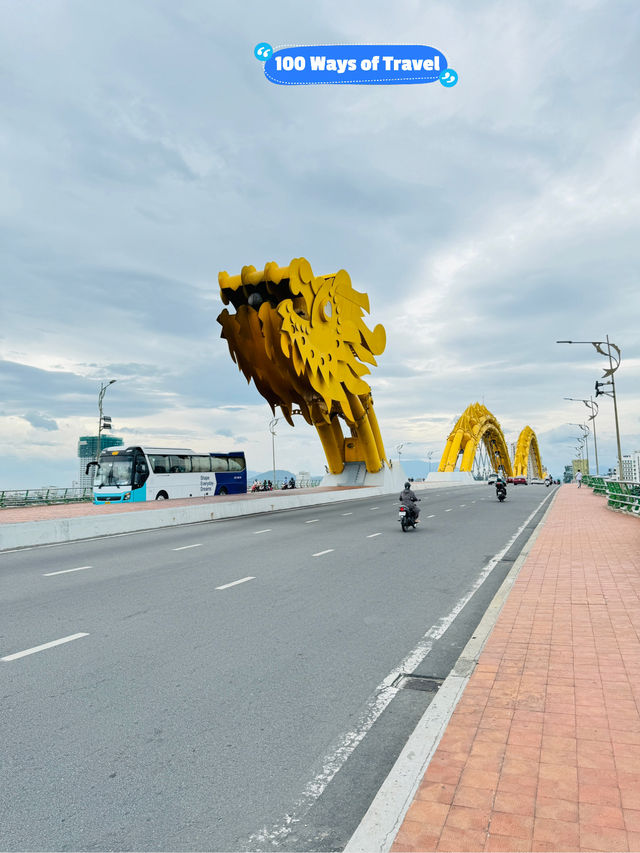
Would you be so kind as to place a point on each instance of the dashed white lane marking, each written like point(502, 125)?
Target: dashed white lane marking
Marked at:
point(235, 583)
point(320, 553)
point(371, 508)
point(312, 521)
point(65, 571)
point(43, 647)
point(266, 530)
point(449, 510)
point(461, 505)
point(371, 535)
point(347, 513)
point(431, 516)
point(184, 547)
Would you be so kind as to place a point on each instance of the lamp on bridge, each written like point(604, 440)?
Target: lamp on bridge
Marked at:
point(593, 408)
point(614, 364)
point(103, 422)
point(585, 434)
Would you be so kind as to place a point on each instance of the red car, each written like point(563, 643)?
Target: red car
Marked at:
point(519, 481)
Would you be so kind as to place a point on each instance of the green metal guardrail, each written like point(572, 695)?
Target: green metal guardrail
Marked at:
point(597, 484)
point(31, 497)
point(623, 495)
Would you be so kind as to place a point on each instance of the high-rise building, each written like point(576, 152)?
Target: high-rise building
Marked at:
point(579, 465)
point(630, 467)
point(87, 447)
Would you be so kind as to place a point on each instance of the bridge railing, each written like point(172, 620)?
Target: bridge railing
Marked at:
point(623, 495)
point(30, 497)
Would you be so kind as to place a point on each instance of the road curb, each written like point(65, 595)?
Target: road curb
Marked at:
point(380, 824)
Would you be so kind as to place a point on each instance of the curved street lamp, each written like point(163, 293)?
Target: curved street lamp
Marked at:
point(593, 408)
point(272, 430)
point(614, 364)
point(103, 389)
point(585, 434)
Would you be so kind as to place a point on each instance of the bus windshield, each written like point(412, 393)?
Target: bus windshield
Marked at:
point(114, 472)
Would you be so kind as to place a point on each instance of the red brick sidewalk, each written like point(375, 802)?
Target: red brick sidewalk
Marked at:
point(543, 750)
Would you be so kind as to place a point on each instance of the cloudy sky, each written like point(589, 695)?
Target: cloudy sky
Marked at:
point(143, 151)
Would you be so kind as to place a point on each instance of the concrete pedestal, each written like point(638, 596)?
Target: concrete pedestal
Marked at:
point(356, 474)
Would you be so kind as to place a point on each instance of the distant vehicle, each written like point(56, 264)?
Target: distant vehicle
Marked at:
point(522, 481)
point(162, 473)
point(492, 479)
point(537, 481)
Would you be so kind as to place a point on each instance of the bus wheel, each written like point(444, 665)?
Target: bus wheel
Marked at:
point(223, 491)
point(162, 496)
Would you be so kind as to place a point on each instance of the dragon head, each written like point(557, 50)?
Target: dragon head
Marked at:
point(301, 338)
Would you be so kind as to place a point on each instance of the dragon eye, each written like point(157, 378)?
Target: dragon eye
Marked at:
point(328, 309)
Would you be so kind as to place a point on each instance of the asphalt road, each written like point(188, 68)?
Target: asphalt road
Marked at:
point(229, 687)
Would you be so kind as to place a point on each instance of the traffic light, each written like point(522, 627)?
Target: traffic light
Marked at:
point(106, 422)
point(599, 385)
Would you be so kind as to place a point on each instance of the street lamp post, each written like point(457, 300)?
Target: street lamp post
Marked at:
point(585, 435)
point(103, 388)
point(429, 457)
point(614, 364)
point(593, 408)
point(272, 430)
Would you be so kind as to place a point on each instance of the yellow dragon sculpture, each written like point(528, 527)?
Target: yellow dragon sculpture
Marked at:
point(303, 341)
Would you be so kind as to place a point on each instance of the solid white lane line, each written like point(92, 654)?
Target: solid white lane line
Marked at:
point(43, 647)
point(184, 547)
point(313, 521)
point(235, 583)
point(320, 553)
point(431, 516)
point(65, 571)
point(266, 530)
point(347, 513)
point(371, 535)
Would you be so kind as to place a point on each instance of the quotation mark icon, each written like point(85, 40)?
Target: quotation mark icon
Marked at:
point(448, 78)
point(263, 51)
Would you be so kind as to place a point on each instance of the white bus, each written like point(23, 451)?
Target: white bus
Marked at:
point(161, 473)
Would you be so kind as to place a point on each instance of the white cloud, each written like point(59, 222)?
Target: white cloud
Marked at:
point(485, 221)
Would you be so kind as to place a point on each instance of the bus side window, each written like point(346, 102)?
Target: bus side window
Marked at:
point(219, 463)
point(236, 464)
point(160, 464)
point(201, 464)
point(179, 464)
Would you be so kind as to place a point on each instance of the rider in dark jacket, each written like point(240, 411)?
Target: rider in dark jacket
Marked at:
point(409, 499)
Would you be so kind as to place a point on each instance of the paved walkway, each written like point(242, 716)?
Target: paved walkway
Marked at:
point(543, 750)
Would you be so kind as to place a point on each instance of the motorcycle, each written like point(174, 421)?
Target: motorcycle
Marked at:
point(501, 491)
point(407, 517)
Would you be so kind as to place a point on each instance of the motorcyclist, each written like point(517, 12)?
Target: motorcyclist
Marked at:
point(501, 483)
point(409, 499)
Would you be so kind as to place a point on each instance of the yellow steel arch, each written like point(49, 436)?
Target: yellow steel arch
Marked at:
point(476, 424)
point(527, 455)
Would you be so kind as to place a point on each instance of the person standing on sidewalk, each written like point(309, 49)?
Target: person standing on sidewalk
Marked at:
point(579, 478)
